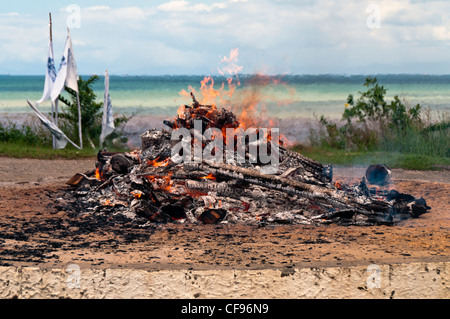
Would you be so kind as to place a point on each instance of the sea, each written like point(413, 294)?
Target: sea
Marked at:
point(284, 96)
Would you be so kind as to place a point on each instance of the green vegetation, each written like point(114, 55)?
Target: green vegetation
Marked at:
point(91, 116)
point(342, 157)
point(17, 150)
point(34, 141)
point(374, 130)
point(24, 135)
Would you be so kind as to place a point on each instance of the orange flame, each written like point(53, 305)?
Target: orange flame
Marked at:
point(209, 176)
point(98, 174)
point(157, 163)
point(137, 194)
point(249, 103)
point(161, 182)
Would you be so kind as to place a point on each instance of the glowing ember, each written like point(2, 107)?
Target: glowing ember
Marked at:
point(209, 176)
point(163, 183)
point(137, 194)
point(98, 175)
point(157, 163)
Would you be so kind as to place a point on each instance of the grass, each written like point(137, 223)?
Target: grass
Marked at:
point(20, 150)
point(323, 155)
point(341, 157)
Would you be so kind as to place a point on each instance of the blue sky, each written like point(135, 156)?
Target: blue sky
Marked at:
point(191, 37)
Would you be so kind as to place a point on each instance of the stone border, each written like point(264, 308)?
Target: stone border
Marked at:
point(409, 280)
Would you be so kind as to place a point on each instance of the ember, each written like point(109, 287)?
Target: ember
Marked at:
point(150, 185)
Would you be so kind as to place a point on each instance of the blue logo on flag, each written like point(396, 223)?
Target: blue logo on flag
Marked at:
point(63, 62)
point(51, 69)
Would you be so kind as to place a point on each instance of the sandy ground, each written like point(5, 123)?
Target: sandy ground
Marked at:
point(35, 230)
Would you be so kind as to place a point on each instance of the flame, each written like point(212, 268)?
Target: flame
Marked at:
point(137, 194)
point(161, 182)
point(209, 94)
point(209, 176)
point(99, 174)
point(157, 163)
point(181, 112)
point(248, 104)
point(231, 67)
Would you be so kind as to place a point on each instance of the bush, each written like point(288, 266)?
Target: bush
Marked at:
point(371, 123)
point(91, 116)
point(24, 135)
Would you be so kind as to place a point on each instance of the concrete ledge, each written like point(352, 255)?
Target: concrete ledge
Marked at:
point(412, 280)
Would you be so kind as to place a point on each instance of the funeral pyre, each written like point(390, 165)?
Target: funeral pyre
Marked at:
point(148, 185)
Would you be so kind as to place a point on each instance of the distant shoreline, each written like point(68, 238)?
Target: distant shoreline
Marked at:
point(347, 75)
point(295, 130)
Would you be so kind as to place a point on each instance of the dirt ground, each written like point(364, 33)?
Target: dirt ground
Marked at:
point(35, 230)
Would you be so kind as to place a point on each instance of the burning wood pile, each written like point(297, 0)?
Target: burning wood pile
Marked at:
point(153, 185)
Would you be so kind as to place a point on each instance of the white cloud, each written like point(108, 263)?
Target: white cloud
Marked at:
point(185, 6)
point(98, 8)
point(21, 39)
point(185, 36)
point(9, 14)
point(105, 13)
point(174, 6)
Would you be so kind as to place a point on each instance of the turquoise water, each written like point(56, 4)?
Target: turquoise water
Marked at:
point(295, 96)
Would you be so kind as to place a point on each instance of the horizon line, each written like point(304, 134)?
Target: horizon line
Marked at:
point(248, 74)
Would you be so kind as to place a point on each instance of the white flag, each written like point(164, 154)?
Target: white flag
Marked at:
point(67, 74)
point(72, 71)
point(108, 118)
point(50, 75)
point(60, 137)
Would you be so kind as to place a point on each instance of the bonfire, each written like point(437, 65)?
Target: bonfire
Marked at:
point(152, 184)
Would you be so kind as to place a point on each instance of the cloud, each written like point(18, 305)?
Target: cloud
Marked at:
point(10, 14)
point(107, 14)
point(185, 6)
point(22, 40)
point(190, 36)
point(174, 6)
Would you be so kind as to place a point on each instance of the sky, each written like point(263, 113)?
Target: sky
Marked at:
point(192, 36)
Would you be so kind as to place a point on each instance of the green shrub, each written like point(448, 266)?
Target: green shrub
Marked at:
point(91, 116)
point(370, 123)
point(26, 134)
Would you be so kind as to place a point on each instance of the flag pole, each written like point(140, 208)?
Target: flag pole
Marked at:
point(105, 106)
point(53, 106)
point(79, 121)
point(56, 101)
point(50, 17)
point(79, 111)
